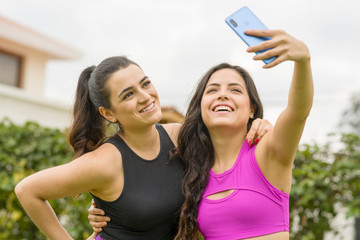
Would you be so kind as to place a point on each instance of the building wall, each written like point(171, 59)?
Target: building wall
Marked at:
point(33, 66)
point(34, 74)
point(19, 107)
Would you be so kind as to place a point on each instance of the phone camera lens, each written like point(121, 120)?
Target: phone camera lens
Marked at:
point(233, 22)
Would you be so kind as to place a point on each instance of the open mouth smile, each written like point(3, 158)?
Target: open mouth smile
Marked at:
point(223, 108)
point(148, 108)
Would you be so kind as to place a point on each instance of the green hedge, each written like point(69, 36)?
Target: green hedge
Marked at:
point(23, 151)
point(322, 178)
point(327, 176)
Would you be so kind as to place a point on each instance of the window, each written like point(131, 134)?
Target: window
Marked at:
point(10, 67)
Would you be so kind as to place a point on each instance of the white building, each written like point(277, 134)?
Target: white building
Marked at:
point(23, 57)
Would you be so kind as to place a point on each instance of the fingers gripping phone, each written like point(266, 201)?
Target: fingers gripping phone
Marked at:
point(244, 19)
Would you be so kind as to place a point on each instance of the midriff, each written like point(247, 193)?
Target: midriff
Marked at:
point(273, 236)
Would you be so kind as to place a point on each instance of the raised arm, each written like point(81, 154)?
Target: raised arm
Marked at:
point(280, 145)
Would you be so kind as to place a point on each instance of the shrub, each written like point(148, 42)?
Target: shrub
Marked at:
point(24, 150)
point(323, 179)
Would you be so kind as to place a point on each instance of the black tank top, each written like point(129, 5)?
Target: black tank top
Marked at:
point(149, 205)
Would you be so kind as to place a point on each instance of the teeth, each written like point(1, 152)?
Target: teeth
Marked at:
point(148, 108)
point(223, 108)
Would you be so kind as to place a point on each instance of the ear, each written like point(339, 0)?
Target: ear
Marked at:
point(107, 114)
point(252, 111)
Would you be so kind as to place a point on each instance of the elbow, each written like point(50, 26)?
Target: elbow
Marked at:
point(20, 191)
point(307, 111)
point(305, 114)
point(302, 112)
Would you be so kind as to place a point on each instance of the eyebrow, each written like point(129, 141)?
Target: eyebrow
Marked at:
point(230, 84)
point(129, 88)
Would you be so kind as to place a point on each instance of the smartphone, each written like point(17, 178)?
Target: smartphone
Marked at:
point(244, 19)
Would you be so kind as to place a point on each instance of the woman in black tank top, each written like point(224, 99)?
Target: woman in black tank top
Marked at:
point(128, 174)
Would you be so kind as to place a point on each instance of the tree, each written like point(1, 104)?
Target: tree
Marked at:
point(326, 176)
point(351, 116)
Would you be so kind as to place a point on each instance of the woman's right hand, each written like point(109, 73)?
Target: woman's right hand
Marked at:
point(281, 44)
point(97, 218)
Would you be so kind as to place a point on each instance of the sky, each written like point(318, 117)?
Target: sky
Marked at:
point(177, 41)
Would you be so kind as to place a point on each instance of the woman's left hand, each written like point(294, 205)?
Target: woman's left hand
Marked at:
point(281, 44)
point(259, 128)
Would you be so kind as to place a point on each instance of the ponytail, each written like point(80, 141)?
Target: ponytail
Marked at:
point(88, 127)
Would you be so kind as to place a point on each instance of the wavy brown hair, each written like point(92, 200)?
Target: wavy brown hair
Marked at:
point(88, 128)
point(196, 149)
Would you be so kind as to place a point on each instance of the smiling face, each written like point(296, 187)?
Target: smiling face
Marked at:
point(134, 100)
point(225, 101)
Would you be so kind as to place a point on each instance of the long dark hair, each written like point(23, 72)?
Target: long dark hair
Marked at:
point(196, 150)
point(88, 128)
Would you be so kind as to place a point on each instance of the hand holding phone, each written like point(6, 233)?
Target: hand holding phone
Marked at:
point(244, 19)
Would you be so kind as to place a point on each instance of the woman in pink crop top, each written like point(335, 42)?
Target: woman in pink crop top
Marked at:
point(235, 189)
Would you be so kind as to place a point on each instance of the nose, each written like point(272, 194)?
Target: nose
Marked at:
point(222, 96)
point(144, 96)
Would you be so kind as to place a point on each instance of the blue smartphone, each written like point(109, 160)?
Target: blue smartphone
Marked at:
point(244, 19)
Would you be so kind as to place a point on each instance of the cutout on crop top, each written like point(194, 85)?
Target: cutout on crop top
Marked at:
point(220, 195)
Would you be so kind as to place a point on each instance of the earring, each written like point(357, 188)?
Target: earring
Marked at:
point(251, 116)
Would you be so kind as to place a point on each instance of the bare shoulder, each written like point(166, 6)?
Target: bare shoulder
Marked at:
point(108, 156)
point(106, 162)
point(109, 171)
point(173, 130)
point(108, 151)
point(263, 151)
point(278, 174)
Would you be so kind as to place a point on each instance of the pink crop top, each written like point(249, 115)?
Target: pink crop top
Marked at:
point(254, 208)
